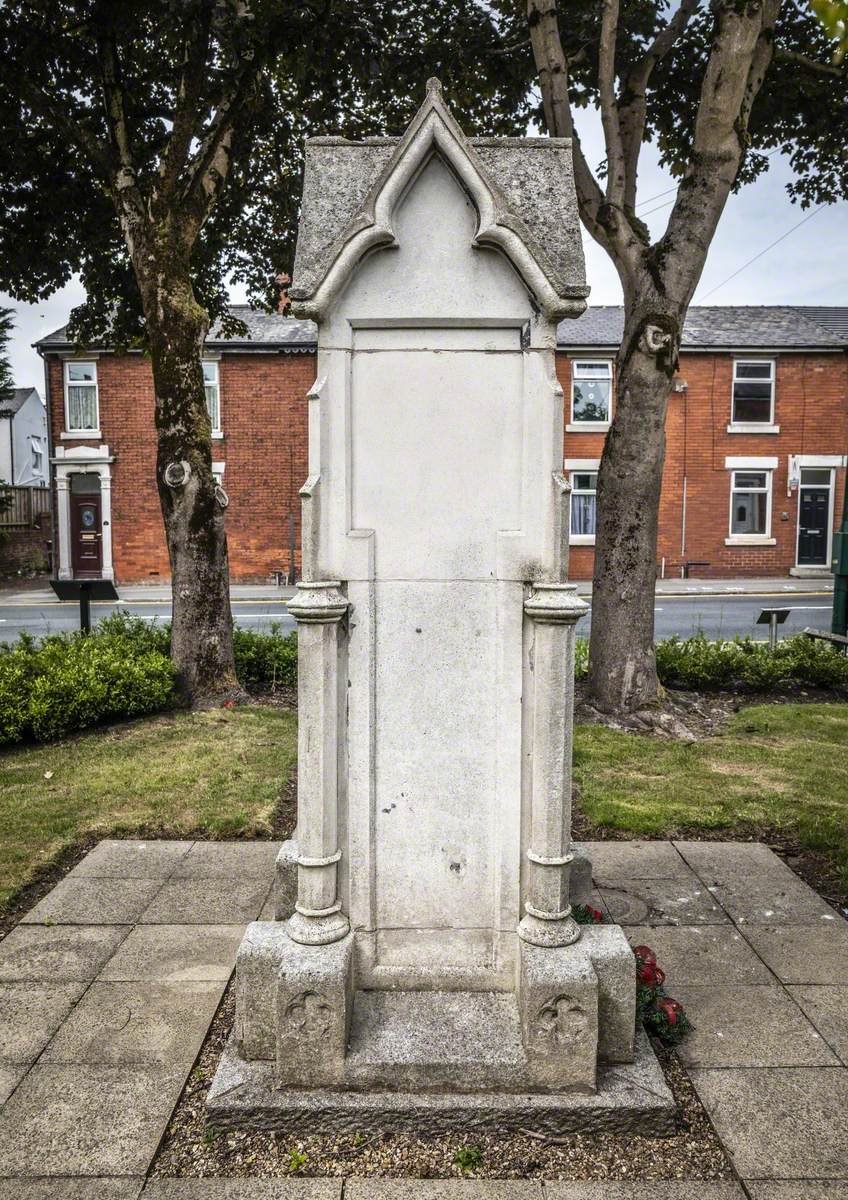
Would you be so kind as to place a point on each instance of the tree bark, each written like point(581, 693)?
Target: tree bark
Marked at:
point(192, 505)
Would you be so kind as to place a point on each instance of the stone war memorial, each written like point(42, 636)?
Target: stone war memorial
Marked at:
point(425, 970)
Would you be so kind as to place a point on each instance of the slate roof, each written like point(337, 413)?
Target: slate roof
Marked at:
point(714, 327)
point(21, 395)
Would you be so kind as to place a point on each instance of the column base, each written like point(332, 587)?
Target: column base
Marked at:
point(535, 931)
point(317, 931)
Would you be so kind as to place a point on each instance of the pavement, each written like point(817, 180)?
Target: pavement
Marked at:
point(716, 607)
point(108, 987)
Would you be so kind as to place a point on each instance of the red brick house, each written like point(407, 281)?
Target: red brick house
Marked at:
point(757, 435)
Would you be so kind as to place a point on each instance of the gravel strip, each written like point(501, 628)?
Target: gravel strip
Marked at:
point(189, 1149)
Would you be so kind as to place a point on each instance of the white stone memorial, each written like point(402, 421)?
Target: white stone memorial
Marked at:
point(425, 968)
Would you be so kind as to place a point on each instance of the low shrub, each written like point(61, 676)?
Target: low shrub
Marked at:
point(742, 664)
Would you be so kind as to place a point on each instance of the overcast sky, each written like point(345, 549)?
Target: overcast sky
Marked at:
point(810, 266)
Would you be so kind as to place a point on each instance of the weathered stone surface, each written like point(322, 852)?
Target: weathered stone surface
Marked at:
point(615, 967)
point(661, 902)
point(748, 1027)
point(86, 901)
point(731, 862)
point(228, 860)
point(207, 902)
point(30, 1013)
point(702, 954)
point(175, 953)
point(796, 1190)
point(87, 1120)
point(10, 1076)
point(801, 954)
point(773, 900)
point(243, 1189)
point(780, 1122)
point(630, 1097)
point(827, 1008)
point(58, 953)
point(258, 965)
point(580, 875)
point(558, 999)
point(698, 1189)
point(285, 880)
point(443, 1189)
point(132, 859)
point(314, 998)
point(635, 860)
point(141, 1023)
point(70, 1189)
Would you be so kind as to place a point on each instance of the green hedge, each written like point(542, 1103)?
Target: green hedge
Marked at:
point(743, 664)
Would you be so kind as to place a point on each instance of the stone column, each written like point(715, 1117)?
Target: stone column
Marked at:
point(318, 608)
point(553, 610)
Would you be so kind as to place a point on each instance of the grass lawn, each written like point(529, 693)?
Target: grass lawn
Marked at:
point(218, 774)
point(778, 767)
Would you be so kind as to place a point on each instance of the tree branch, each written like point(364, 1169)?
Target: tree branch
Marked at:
point(116, 118)
point(55, 112)
point(811, 64)
point(186, 114)
point(609, 108)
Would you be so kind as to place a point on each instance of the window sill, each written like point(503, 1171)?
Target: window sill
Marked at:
point(588, 427)
point(217, 435)
point(750, 539)
point(581, 539)
point(76, 434)
point(752, 427)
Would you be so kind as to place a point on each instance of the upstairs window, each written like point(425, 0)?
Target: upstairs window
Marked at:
point(81, 405)
point(583, 503)
point(213, 395)
point(35, 444)
point(591, 392)
point(750, 504)
point(753, 392)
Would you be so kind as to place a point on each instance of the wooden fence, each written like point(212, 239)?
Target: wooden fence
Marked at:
point(28, 503)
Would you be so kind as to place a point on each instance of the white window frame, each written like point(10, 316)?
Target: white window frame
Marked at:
point(576, 466)
point(753, 426)
point(823, 465)
point(576, 426)
point(69, 432)
point(768, 466)
point(217, 431)
point(37, 453)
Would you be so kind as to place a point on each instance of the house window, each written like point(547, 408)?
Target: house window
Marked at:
point(583, 503)
point(81, 407)
point(591, 393)
point(753, 392)
point(213, 395)
point(36, 453)
point(750, 504)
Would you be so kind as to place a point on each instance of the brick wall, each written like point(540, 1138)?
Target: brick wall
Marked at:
point(263, 416)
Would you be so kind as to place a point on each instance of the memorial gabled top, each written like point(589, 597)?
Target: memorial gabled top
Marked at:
point(522, 188)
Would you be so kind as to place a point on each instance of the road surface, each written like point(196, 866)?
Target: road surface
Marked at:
point(715, 616)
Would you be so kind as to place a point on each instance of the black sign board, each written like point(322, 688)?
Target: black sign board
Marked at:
point(84, 590)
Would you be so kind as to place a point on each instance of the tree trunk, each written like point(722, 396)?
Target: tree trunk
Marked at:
point(622, 663)
point(192, 508)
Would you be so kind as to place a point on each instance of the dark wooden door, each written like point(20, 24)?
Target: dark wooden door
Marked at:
point(812, 526)
point(86, 535)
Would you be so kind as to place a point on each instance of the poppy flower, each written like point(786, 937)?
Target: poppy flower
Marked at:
point(597, 915)
point(645, 954)
point(671, 1008)
point(650, 974)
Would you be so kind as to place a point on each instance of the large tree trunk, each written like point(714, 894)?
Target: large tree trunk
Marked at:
point(192, 507)
point(622, 663)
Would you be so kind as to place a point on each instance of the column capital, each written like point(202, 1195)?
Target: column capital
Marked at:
point(555, 604)
point(319, 603)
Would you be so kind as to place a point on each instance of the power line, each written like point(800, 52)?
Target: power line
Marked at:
point(770, 246)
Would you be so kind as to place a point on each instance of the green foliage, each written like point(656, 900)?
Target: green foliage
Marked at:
point(297, 1160)
point(7, 384)
point(468, 1158)
point(833, 15)
point(63, 684)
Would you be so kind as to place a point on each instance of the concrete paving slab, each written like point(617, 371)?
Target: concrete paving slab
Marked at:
point(243, 1189)
point(803, 954)
point(773, 900)
point(701, 955)
point(443, 1189)
point(141, 1023)
point(749, 1027)
point(87, 1120)
point(228, 860)
point(176, 953)
point(207, 902)
point(697, 1189)
point(131, 859)
point(780, 1123)
point(11, 1075)
point(726, 862)
point(269, 908)
point(827, 1008)
point(58, 953)
point(30, 1013)
point(70, 1189)
point(635, 860)
point(797, 1190)
point(661, 902)
point(94, 902)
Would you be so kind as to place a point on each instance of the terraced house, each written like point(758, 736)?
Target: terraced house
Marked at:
point(757, 439)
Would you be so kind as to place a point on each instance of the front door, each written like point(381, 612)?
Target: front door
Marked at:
point(86, 535)
point(813, 518)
